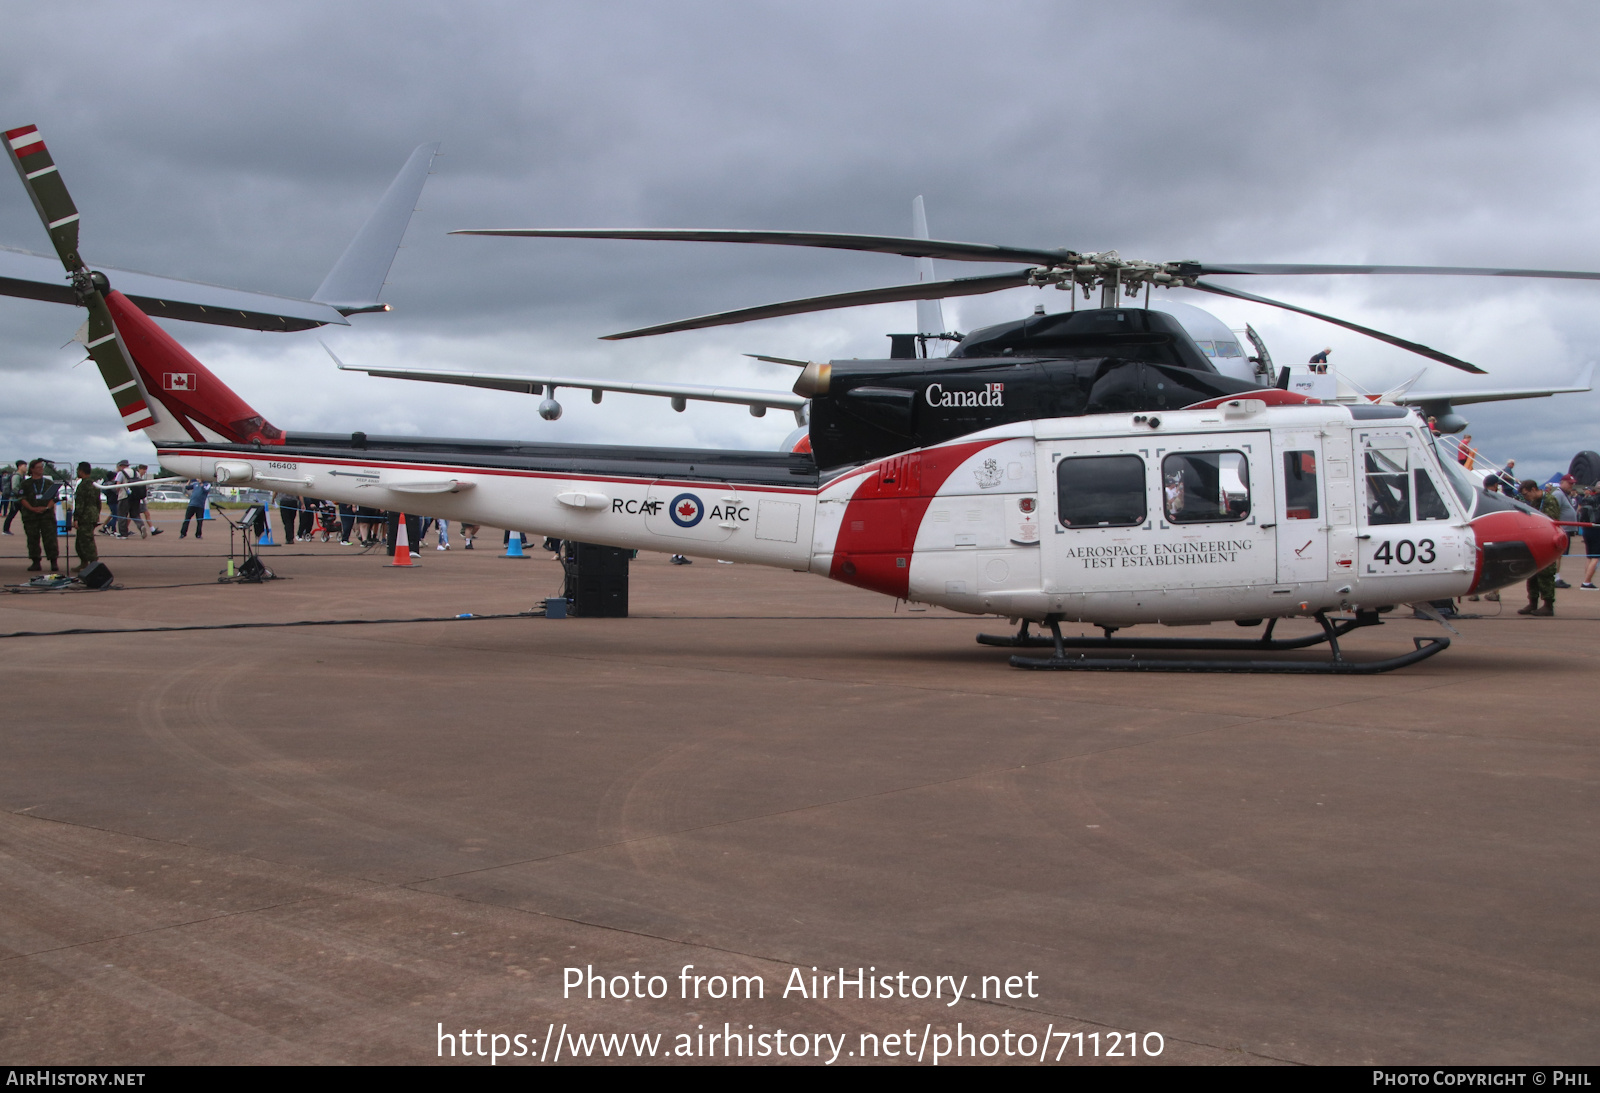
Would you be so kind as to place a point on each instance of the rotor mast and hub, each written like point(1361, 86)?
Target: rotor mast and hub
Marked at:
point(1110, 272)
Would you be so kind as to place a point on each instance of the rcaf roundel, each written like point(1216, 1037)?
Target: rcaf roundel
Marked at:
point(686, 510)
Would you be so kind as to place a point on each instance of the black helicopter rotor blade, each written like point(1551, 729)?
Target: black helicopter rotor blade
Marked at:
point(1295, 269)
point(931, 290)
point(881, 244)
point(1414, 347)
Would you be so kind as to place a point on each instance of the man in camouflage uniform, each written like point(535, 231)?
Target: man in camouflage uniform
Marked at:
point(38, 499)
point(86, 513)
point(1542, 585)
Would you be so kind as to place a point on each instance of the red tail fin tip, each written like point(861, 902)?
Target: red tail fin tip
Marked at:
point(200, 402)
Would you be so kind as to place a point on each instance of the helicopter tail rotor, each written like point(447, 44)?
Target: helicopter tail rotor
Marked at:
point(156, 384)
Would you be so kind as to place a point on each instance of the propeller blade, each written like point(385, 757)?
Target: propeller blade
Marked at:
point(881, 244)
point(1207, 268)
point(1421, 350)
point(933, 290)
point(43, 182)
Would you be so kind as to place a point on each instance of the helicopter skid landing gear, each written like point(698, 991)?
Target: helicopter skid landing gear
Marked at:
point(1331, 633)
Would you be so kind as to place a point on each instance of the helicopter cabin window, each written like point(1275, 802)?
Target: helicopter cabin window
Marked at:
point(1430, 506)
point(1205, 487)
point(1101, 491)
point(1388, 486)
point(1300, 485)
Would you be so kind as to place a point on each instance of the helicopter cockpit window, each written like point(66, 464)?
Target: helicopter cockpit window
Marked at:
point(1300, 485)
point(1430, 506)
point(1101, 491)
point(1388, 486)
point(1205, 487)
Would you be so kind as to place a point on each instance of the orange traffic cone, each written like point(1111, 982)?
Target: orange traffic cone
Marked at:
point(402, 546)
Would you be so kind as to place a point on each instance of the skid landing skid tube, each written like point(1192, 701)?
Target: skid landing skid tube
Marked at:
point(1331, 633)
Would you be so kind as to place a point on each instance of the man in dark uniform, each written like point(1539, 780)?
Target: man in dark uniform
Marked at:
point(39, 515)
point(1543, 583)
point(13, 491)
point(288, 509)
point(86, 511)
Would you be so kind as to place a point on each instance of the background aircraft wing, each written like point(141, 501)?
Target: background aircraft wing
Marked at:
point(756, 399)
point(1467, 395)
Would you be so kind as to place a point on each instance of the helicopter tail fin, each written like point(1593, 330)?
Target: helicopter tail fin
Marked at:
point(177, 397)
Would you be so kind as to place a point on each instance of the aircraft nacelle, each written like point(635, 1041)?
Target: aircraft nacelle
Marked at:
point(1445, 416)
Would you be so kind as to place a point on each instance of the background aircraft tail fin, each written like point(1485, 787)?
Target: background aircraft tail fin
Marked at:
point(930, 313)
point(356, 280)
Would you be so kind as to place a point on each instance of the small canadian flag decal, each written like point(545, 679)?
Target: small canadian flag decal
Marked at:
point(180, 381)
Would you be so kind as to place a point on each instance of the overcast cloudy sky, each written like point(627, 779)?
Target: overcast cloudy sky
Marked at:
point(243, 144)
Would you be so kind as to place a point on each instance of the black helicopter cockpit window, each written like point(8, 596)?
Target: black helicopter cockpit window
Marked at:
point(1205, 487)
point(1388, 486)
point(1101, 491)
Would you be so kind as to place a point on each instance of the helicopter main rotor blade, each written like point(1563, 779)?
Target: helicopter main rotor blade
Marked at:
point(932, 290)
point(1414, 347)
point(43, 182)
point(1294, 269)
point(881, 244)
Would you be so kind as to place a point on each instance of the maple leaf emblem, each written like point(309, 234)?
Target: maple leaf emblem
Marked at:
point(686, 509)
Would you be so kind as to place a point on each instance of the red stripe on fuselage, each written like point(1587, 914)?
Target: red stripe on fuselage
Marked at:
point(885, 513)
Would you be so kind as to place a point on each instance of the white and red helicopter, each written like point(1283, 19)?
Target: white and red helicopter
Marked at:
point(1092, 466)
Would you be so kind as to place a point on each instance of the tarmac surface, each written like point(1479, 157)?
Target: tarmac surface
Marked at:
point(333, 843)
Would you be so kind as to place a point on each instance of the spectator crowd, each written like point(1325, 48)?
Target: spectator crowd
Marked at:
point(48, 504)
